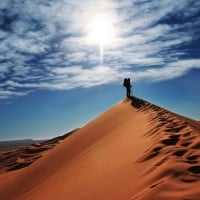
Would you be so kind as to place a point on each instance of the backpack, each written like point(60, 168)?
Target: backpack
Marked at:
point(125, 82)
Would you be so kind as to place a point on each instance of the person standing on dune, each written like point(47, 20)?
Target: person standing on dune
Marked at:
point(127, 85)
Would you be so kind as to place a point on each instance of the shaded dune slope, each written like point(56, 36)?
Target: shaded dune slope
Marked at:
point(135, 150)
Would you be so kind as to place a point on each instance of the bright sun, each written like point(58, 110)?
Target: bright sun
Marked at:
point(101, 33)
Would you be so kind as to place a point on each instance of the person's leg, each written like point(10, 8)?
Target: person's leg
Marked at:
point(127, 92)
point(130, 92)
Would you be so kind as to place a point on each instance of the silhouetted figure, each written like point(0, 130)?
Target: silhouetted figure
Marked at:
point(127, 85)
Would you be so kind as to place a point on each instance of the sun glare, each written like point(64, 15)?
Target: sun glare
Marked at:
point(101, 33)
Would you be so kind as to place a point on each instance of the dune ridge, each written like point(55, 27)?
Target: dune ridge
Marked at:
point(135, 150)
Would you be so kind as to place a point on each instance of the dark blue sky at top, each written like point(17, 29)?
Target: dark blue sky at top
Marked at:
point(51, 79)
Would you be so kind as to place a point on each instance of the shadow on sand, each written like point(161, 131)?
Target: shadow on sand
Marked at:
point(136, 102)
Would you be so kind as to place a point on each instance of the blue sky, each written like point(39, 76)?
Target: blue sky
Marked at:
point(62, 62)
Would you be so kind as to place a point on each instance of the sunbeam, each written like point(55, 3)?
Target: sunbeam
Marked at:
point(101, 32)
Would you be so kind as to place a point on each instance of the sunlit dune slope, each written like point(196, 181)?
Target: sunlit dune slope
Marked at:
point(135, 150)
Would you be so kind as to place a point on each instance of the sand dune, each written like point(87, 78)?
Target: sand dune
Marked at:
point(135, 150)
point(23, 155)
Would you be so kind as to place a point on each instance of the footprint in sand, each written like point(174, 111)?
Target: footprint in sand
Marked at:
point(192, 173)
point(172, 140)
point(185, 144)
point(187, 139)
point(193, 157)
point(179, 153)
point(18, 166)
point(194, 169)
point(187, 134)
point(176, 128)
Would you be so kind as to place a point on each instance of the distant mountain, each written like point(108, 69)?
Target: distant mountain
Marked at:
point(17, 143)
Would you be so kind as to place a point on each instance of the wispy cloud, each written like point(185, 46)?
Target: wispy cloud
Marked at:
point(44, 43)
point(4, 94)
point(169, 71)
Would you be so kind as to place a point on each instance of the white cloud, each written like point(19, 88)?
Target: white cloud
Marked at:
point(5, 67)
point(9, 94)
point(170, 71)
point(67, 70)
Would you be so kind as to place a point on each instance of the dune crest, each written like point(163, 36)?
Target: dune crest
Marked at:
point(135, 150)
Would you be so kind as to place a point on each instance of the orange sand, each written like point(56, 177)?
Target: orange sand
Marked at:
point(135, 150)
